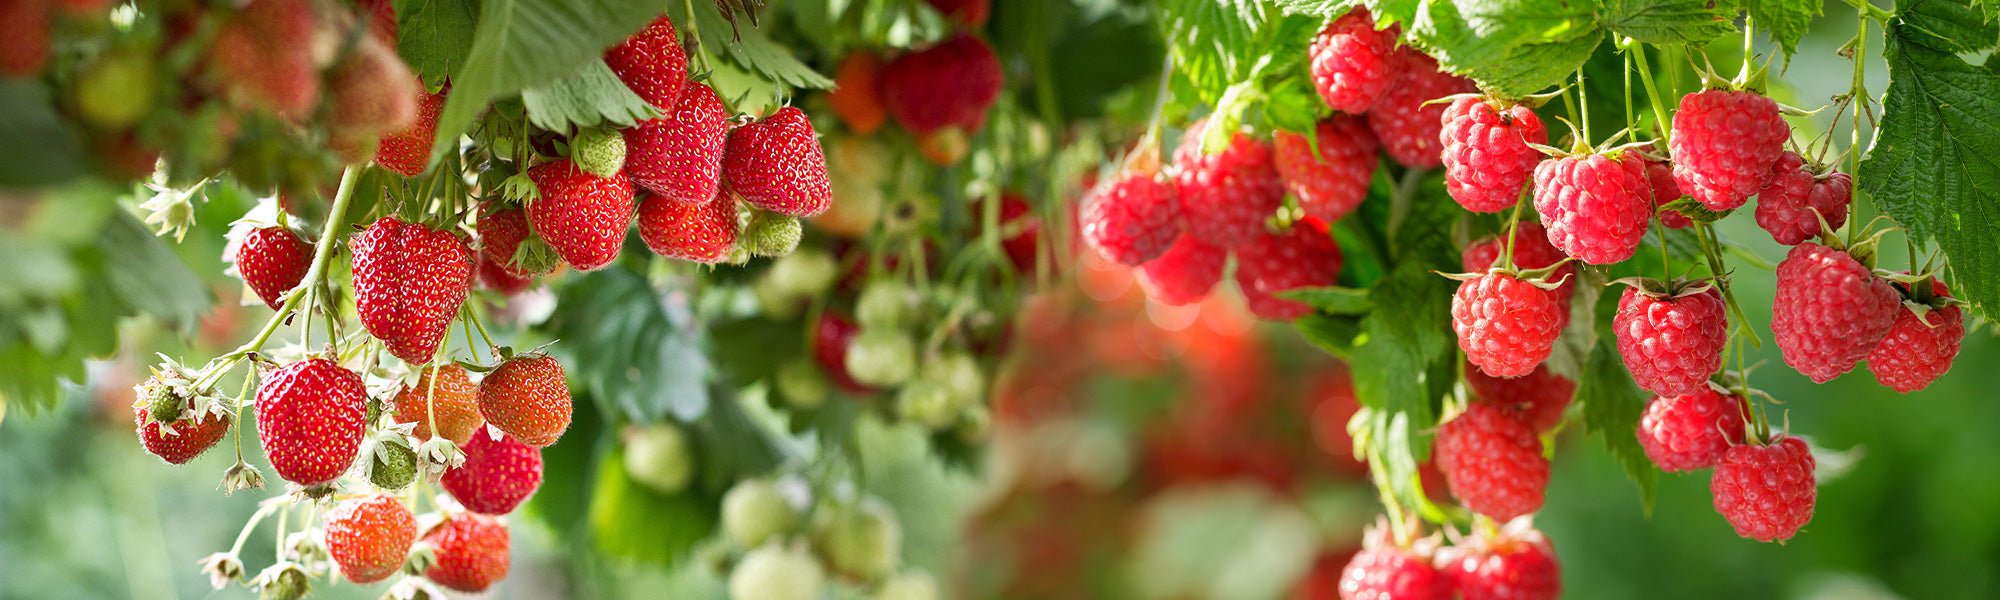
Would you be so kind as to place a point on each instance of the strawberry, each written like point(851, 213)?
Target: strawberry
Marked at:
point(369, 536)
point(259, 60)
point(24, 36)
point(776, 164)
point(495, 277)
point(372, 93)
point(581, 215)
point(703, 233)
point(501, 232)
point(311, 420)
point(454, 404)
point(471, 552)
point(381, 15)
point(527, 398)
point(833, 335)
point(499, 473)
point(950, 85)
point(191, 434)
point(857, 93)
point(409, 281)
point(272, 261)
point(652, 63)
point(679, 156)
point(408, 152)
point(969, 13)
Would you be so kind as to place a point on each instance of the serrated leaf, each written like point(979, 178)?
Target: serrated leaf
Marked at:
point(1292, 104)
point(1611, 408)
point(1515, 47)
point(1409, 328)
point(753, 50)
point(1324, 9)
point(1682, 245)
point(1785, 20)
point(1531, 68)
point(586, 98)
point(634, 348)
point(434, 36)
point(1332, 333)
point(1333, 300)
point(732, 447)
point(1936, 158)
point(1691, 22)
point(1946, 25)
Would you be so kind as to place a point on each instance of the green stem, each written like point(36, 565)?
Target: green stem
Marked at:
point(473, 316)
point(255, 518)
point(1652, 93)
point(1583, 107)
point(1513, 224)
point(241, 398)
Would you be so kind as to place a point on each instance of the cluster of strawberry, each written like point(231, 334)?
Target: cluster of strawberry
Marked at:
point(939, 94)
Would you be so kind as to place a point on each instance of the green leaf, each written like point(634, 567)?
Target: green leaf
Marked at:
point(1335, 300)
point(434, 36)
point(1682, 245)
point(1335, 334)
point(1409, 328)
point(753, 50)
point(1215, 43)
point(1515, 47)
point(1946, 25)
point(585, 99)
point(729, 445)
point(1690, 22)
point(631, 521)
point(1785, 20)
point(638, 353)
point(40, 149)
point(1532, 68)
point(146, 275)
point(1611, 408)
point(1936, 158)
point(1324, 9)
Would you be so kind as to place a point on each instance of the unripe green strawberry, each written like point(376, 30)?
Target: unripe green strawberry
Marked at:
point(772, 234)
point(776, 573)
point(908, 585)
point(807, 272)
point(928, 402)
point(885, 304)
point(882, 357)
point(755, 510)
point(960, 375)
point(599, 151)
point(801, 384)
point(658, 456)
point(860, 541)
point(392, 465)
point(118, 89)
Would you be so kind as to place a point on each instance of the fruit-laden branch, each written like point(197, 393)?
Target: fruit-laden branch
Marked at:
point(314, 276)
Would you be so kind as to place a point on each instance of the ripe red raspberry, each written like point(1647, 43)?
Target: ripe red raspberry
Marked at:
point(272, 261)
point(1226, 196)
point(471, 551)
point(833, 334)
point(1595, 206)
point(1492, 462)
point(1384, 571)
point(1660, 175)
point(1409, 129)
point(1766, 492)
point(776, 164)
point(193, 434)
point(408, 152)
point(679, 155)
point(1540, 397)
point(1351, 62)
point(1328, 185)
point(1185, 274)
point(1517, 564)
point(311, 420)
point(1685, 433)
point(498, 474)
point(1671, 345)
point(1330, 404)
point(582, 216)
point(454, 404)
point(1791, 206)
point(1531, 251)
point(409, 281)
point(703, 233)
point(1487, 157)
point(1304, 256)
point(1830, 311)
point(652, 63)
point(1131, 219)
point(951, 84)
point(369, 536)
point(527, 398)
point(1919, 349)
point(1723, 145)
point(1505, 325)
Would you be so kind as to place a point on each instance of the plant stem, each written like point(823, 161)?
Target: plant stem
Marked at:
point(314, 277)
point(251, 525)
point(1652, 92)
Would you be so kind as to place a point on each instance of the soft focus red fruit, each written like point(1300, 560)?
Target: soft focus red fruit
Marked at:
point(652, 63)
point(409, 282)
point(381, 15)
point(582, 216)
point(501, 230)
point(527, 397)
point(272, 261)
point(1185, 273)
point(857, 94)
point(371, 94)
point(408, 152)
point(1487, 157)
point(1686, 433)
point(1333, 182)
point(969, 13)
point(679, 155)
point(1492, 462)
point(310, 420)
point(1352, 62)
point(1226, 196)
point(1830, 311)
point(1408, 127)
point(498, 474)
point(776, 164)
point(832, 335)
point(1724, 144)
point(1766, 491)
point(1304, 256)
point(259, 59)
point(24, 36)
point(471, 552)
point(951, 84)
point(369, 536)
point(1131, 219)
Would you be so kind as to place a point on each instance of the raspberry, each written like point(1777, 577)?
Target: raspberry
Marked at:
point(1329, 185)
point(1595, 206)
point(1766, 492)
point(1131, 219)
point(1302, 257)
point(1919, 348)
point(1351, 62)
point(1505, 325)
point(1384, 571)
point(652, 63)
point(1540, 397)
point(1487, 157)
point(1185, 273)
point(1791, 206)
point(1516, 564)
point(1671, 344)
point(1409, 129)
point(1492, 462)
point(679, 155)
point(1226, 196)
point(1723, 145)
point(1830, 311)
point(1660, 175)
point(1685, 433)
point(1531, 251)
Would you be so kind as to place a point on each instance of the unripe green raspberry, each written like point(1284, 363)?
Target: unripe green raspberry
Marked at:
point(882, 357)
point(599, 151)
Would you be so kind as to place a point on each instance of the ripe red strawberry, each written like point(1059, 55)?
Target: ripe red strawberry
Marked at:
point(582, 216)
point(951, 84)
point(1131, 219)
point(1919, 349)
point(1671, 344)
point(1830, 311)
point(194, 433)
point(408, 152)
point(679, 155)
point(369, 536)
point(1531, 251)
point(454, 404)
point(1516, 564)
point(652, 63)
point(1685, 433)
point(272, 261)
point(857, 93)
point(1596, 207)
point(1492, 462)
point(703, 233)
point(1660, 175)
point(1330, 184)
point(1487, 157)
point(1795, 201)
point(258, 59)
point(310, 419)
point(1408, 128)
point(1540, 397)
point(1766, 491)
point(1724, 144)
point(776, 164)
point(527, 398)
point(1383, 570)
point(1505, 325)
point(471, 552)
point(1185, 273)
point(1352, 62)
point(1302, 257)
point(1016, 216)
point(381, 15)
point(371, 94)
point(833, 334)
point(409, 281)
point(1226, 196)
point(497, 476)
point(24, 36)
point(969, 13)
